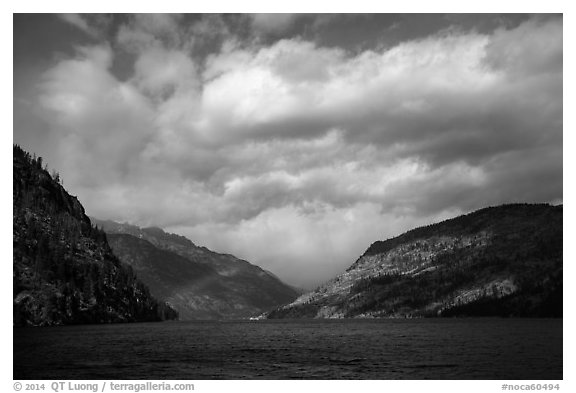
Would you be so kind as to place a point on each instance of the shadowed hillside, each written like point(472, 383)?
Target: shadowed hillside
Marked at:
point(198, 282)
point(64, 271)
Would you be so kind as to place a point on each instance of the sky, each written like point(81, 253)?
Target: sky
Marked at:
point(292, 140)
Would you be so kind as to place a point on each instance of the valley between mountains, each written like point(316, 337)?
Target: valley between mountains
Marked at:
point(69, 269)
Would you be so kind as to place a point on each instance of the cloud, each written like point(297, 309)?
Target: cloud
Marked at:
point(294, 85)
point(145, 30)
point(158, 71)
point(78, 21)
point(380, 97)
point(532, 48)
point(94, 25)
point(103, 123)
point(298, 156)
point(272, 23)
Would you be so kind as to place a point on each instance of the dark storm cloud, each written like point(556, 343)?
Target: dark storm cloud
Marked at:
point(276, 138)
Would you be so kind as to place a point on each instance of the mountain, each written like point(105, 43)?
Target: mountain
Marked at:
point(198, 282)
point(498, 261)
point(64, 271)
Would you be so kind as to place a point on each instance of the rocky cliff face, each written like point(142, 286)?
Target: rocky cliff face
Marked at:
point(503, 260)
point(198, 282)
point(64, 271)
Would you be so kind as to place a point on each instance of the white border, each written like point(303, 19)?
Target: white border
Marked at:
point(487, 6)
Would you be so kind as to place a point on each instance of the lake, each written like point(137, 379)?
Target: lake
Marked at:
point(475, 348)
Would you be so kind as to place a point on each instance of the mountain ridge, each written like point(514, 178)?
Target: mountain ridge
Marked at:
point(245, 289)
point(504, 260)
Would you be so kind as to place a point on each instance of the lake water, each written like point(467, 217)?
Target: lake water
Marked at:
point(306, 349)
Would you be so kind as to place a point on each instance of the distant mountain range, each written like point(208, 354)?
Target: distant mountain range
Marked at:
point(197, 282)
point(498, 261)
point(64, 271)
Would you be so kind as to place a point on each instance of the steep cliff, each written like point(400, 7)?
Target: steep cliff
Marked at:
point(64, 271)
